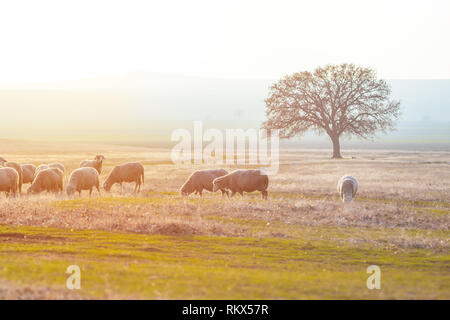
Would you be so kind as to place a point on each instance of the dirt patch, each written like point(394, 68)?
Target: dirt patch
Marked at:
point(21, 236)
point(148, 249)
point(170, 229)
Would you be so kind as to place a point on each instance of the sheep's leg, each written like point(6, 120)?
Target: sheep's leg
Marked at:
point(225, 192)
point(264, 194)
point(138, 185)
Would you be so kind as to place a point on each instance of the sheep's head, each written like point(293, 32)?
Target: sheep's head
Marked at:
point(186, 189)
point(107, 185)
point(70, 190)
point(347, 191)
point(99, 158)
point(31, 189)
point(218, 184)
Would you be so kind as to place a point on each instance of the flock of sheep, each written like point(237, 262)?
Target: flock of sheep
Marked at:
point(240, 181)
point(50, 178)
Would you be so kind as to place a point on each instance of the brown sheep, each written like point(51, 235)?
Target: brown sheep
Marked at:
point(18, 168)
point(129, 172)
point(243, 181)
point(9, 180)
point(50, 180)
point(28, 171)
point(202, 179)
point(96, 163)
point(83, 179)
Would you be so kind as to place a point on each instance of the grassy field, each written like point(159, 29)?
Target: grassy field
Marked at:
point(301, 243)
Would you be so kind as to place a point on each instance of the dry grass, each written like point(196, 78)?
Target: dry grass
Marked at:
point(397, 190)
point(12, 291)
point(403, 202)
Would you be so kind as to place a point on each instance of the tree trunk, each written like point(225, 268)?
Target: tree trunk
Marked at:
point(336, 147)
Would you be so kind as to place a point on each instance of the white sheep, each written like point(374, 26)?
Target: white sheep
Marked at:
point(28, 171)
point(50, 180)
point(128, 172)
point(347, 188)
point(9, 181)
point(202, 179)
point(18, 168)
point(83, 179)
point(96, 163)
point(57, 165)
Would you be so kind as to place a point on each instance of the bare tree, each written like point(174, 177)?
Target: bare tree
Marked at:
point(336, 100)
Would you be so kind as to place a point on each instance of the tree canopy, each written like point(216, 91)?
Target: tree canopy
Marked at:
point(336, 100)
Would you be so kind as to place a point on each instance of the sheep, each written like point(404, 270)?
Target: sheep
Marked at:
point(57, 165)
point(9, 181)
point(50, 180)
point(347, 188)
point(18, 168)
point(59, 173)
point(96, 163)
point(128, 172)
point(40, 168)
point(202, 179)
point(83, 179)
point(243, 180)
point(28, 171)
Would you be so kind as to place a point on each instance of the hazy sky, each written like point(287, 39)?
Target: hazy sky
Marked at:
point(59, 40)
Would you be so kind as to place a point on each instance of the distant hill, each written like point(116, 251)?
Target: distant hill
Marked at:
point(148, 107)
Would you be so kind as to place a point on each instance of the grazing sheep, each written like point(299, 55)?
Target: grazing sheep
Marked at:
point(202, 179)
point(347, 188)
point(40, 168)
point(9, 180)
point(129, 172)
point(18, 168)
point(243, 181)
point(83, 179)
point(96, 163)
point(50, 180)
point(57, 165)
point(59, 173)
point(28, 171)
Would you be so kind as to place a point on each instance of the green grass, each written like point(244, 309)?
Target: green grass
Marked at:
point(410, 203)
point(201, 267)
